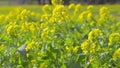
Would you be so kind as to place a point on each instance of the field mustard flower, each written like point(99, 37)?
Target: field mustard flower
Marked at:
point(31, 45)
point(92, 48)
point(56, 2)
point(114, 38)
point(58, 10)
point(44, 33)
point(85, 46)
point(89, 16)
point(101, 21)
point(33, 27)
point(89, 7)
point(116, 55)
point(71, 6)
point(46, 8)
point(83, 16)
point(12, 29)
point(103, 11)
point(94, 34)
point(75, 49)
point(92, 60)
point(77, 8)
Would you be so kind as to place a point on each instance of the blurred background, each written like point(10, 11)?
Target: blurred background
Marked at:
point(42, 2)
point(35, 5)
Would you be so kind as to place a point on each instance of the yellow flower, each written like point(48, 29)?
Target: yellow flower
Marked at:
point(45, 17)
point(75, 49)
point(88, 47)
point(44, 33)
point(52, 20)
point(78, 7)
point(61, 20)
point(91, 60)
point(46, 8)
point(116, 55)
point(83, 15)
point(114, 38)
point(101, 21)
point(33, 27)
point(29, 26)
point(69, 48)
point(92, 23)
point(89, 16)
point(94, 34)
point(85, 46)
point(71, 6)
point(90, 7)
point(56, 2)
point(52, 30)
point(12, 29)
point(103, 11)
point(24, 12)
point(92, 48)
point(31, 45)
point(58, 10)
point(24, 27)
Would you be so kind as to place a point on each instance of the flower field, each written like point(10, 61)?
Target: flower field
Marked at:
point(60, 37)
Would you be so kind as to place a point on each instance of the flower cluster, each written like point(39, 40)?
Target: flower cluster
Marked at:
point(12, 29)
point(114, 39)
point(94, 34)
point(116, 55)
point(59, 37)
point(31, 45)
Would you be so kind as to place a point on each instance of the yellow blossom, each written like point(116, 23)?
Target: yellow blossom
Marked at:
point(89, 17)
point(44, 33)
point(94, 34)
point(103, 11)
point(75, 49)
point(31, 45)
point(78, 7)
point(114, 38)
point(71, 6)
point(116, 55)
point(101, 21)
point(90, 7)
point(56, 2)
point(69, 48)
point(58, 10)
point(33, 27)
point(85, 46)
point(83, 15)
point(46, 8)
point(12, 29)
point(91, 60)
point(92, 48)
